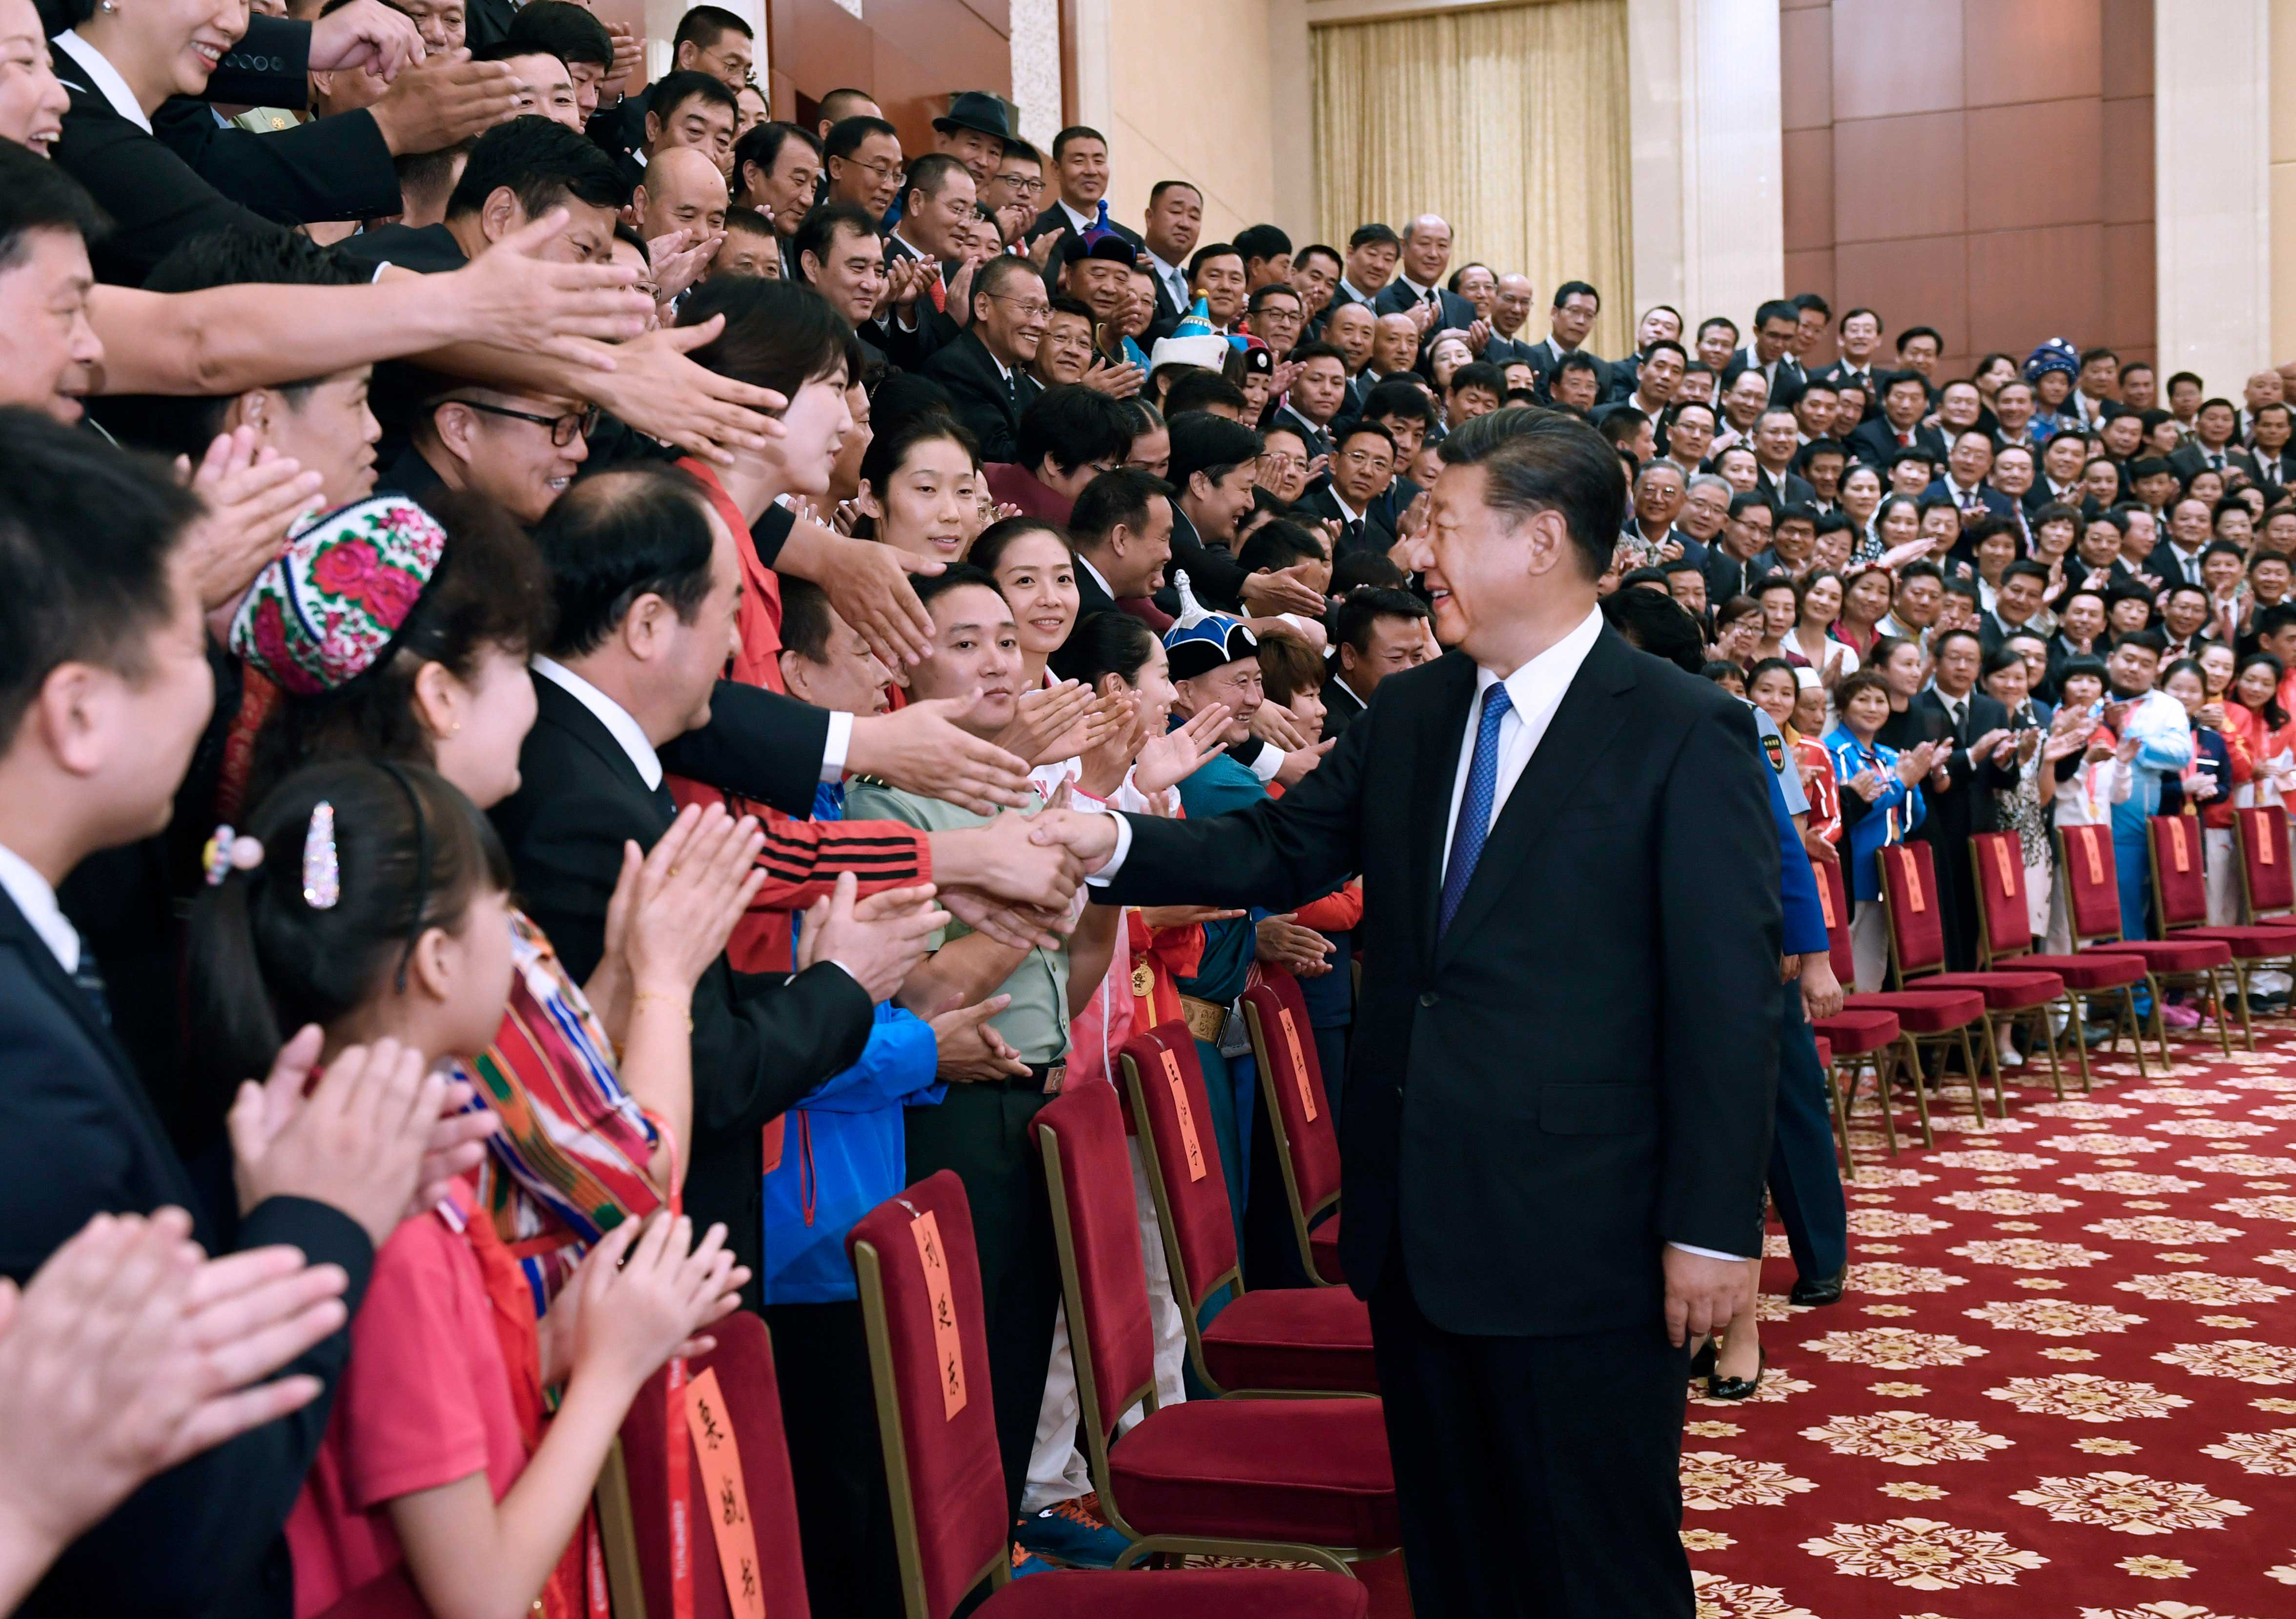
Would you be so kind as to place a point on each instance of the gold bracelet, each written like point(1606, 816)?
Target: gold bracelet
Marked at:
point(656, 995)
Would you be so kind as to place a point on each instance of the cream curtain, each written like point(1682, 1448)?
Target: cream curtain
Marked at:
point(1511, 122)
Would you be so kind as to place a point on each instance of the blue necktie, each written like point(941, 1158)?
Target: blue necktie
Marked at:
point(1467, 838)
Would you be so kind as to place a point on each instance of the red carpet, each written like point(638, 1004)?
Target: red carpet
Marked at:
point(2062, 1382)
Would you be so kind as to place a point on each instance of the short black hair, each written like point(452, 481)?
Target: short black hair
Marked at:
point(1261, 293)
point(805, 617)
point(1364, 236)
point(778, 334)
point(542, 163)
point(1398, 397)
point(846, 134)
point(86, 533)
point(1359, 427)
point(1777, 309)
point(637, 529)
point(1351, 622)
point(705, 26)
point(1120, 497)
point(955, 576)
point(1279, 544)
point(1806, 301)
point(1214, 446)
point(36, 194)
point(762, 146)
point(1263, 241)
point(1073, 425)
point(673, 90)
point(816, 232)
point(1075, 132)
point(1653, 621)
point(1480, 374)
point(1208, 252)
point(747, 220)
point(1911, 333)
point(1570, 290)
point(1578, 360)
point(570, 32)
point(1316, 249)
point(930, 175)
point(1546, 461)
point(1195, 390)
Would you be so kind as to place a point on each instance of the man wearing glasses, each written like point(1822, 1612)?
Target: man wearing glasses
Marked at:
point(517, 450)
point(1015, 191)
point(986, 369)
point(863, 158)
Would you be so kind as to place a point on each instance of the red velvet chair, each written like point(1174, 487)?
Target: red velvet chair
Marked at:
point(1287, 1339)
point(2093, 906)
point(1298, 1479)
point(2004, 938)
point(1841, 1116)
point(1909, 900)
point(2267, 879)
point(2180, 895)
point(743, 1362)
point(1292, 1089)
point(1892, 1023)
point(940, 1454)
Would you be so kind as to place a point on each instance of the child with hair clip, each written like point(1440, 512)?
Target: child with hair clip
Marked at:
point(372, 899)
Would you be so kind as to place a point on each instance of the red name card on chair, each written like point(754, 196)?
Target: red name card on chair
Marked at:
point(727, 1496)
point(1299, 1062)
point(2089, 841)
point(949, 1348)
point(1915, 901)
point(2263, 840)
point(2177, 845)
point(2001, 865)
point(1187, 1116)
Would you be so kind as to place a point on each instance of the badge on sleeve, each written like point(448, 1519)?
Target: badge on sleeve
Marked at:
point(1773, 747)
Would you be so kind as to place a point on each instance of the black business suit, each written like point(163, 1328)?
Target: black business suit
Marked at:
point(1452, 311)
point(1316, 439)
point(1787, 380)
point(1962, 808)
point(986, 403)
point(1214, 576)
point(1875, 441)
point(761, 1041)
point(156, 199)
point(2191, 459)
point(1534, 1106)
point(935, 329)
point(1792, 490)
point(79, 1138)
point(1362, 533)
point(332, 167)
point(1342, 707)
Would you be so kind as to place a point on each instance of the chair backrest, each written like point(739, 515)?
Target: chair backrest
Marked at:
point(1104, 1277)
point(2006, 926)
point(2092, 887)
point(1833, 900)
point(1909, 895)
point(1296, 1090)
point(2180, 886)
point(2267, 880)
point(655, 1440)
point(1165, 1084)
point(920, 1280)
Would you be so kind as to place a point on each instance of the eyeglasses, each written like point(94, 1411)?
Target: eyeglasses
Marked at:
point(892, 173)
point(1358, 458)
point(564, 430)
point(1026, 186)
point(1031, 309)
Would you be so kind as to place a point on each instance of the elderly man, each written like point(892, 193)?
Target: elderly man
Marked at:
point(679, 208)
point(1417, 289)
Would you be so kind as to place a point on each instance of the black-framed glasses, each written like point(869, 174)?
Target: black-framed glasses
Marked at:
point(564, 430)
point(1022, 184)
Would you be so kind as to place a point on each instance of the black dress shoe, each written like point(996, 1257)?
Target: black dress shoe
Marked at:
point(1820, 1290)
point(1702, 1364)
point(1738, 1388)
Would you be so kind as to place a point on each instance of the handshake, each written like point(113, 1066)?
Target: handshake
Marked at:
point(1016, 878)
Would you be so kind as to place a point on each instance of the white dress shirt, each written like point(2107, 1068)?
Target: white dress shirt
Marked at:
point(632, 736)
point(36, 897)
point(1174, 277)
point(1534, 691)
point(104, 78)
point(1083, 222)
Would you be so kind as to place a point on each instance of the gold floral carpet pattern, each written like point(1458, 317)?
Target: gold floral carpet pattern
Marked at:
point(2061, 1383)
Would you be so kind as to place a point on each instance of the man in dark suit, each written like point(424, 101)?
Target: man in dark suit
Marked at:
point(1376, 633)
point(1775, 442)
point(2213, 448)
point(1511, 307)
point(923, 254)
point(1363, 465)
point(1568, 320)
point(1419, 284)
point(708, 39)
point(1775, 326)
point(1175, 221)
point(630, 674)
point(1081, 179)
point(2273, 465)
point(1904, 400)
point(1968, 462)
point(985, 368)
point(1958, 794)
point(1121, 527)
point(102, 716)
point(2176, 560)
point(1318, 397)
point(1548, 1193)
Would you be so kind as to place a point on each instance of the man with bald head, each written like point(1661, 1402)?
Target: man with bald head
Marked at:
point(1394, 347)
point(1510, 313)
point(1350, 328)
point(1417, 289)
point(684, 191)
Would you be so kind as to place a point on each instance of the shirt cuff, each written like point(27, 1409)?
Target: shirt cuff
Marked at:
point(1710, 1254)
point(835, 746)
point(1270, 760)
point(1107, 874)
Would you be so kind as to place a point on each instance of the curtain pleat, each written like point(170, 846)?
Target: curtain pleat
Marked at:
point(1511, 122)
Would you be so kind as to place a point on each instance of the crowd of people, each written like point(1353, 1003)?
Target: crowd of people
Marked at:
point(571, 656)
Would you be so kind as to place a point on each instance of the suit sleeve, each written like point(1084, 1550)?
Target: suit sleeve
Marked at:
point(330, 169)
point(1278, 853)
point(268, 68)
point(1216, 577)
point(155, 199)
point(1717, 853)
point(758, 743)
point(761, 1042)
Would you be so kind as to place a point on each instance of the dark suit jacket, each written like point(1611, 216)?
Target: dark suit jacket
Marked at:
point(154, 198)
point(2164, 565)
point(1503, 351)
point(1996, 504)
point(1319, 441)
point(1790, 379)
point(1529, 1145)
point(936, 329)
point(2280, 469)
point(761, 1041)
point(984, 404)
point(1342, 707)
point(1875, 441)
point(335, 168)
point(1795, 491)
point(1373, 535)
point(1216, 577)
point(484, 21)
point(1966, 803)
point(1451, 309)
point(1056, 219)
point(79, 1138)
point(2191, 458)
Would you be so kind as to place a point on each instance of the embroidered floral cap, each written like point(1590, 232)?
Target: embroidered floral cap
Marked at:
point(331, 606)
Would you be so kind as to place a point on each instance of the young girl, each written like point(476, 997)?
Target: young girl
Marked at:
point(372, 899)
point(1881, 803)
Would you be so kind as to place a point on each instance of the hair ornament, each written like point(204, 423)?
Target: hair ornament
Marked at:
point(228, 852)
point(323, 877)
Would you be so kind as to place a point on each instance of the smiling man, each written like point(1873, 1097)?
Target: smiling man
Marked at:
point(1544, 769)
point(517, 450)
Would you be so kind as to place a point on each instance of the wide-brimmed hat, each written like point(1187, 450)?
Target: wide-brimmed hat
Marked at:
point(977, 110)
